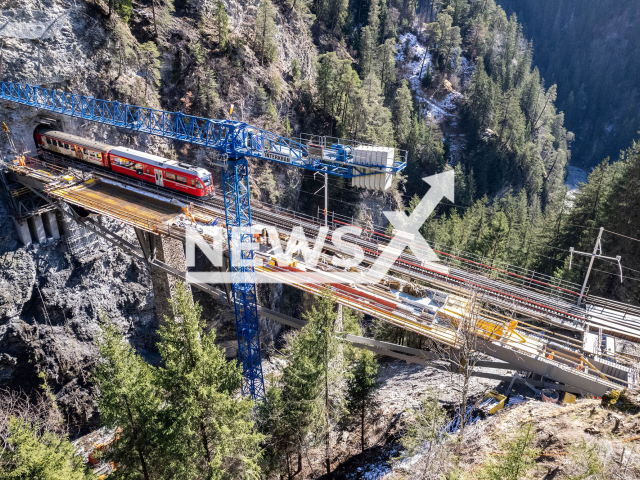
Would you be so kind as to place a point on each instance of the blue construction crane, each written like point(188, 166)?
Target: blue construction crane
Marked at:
point(235, 142)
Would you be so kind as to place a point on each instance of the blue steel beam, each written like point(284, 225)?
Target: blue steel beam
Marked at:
point(235, 182)
point(235, 139)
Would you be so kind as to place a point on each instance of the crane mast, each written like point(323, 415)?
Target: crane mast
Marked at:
point(235, 142)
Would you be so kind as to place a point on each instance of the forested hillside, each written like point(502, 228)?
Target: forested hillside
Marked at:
point(590, 50)
point(452, 82)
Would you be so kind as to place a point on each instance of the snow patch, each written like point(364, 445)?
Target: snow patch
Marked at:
point(377, 470)
point(435, 109)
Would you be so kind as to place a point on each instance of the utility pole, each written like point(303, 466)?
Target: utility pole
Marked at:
point(597, 252)
point(326, 196)
point(326, 189)
point(326, 199)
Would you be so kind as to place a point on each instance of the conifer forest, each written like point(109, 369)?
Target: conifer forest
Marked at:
point(533, 105)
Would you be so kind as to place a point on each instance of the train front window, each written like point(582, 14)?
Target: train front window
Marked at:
point(206, 179)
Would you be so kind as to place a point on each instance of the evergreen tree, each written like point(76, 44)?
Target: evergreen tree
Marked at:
point(311, 401)
point(361, 387)
point(209, 429)
point(262, 101)
point(337, 15)
point(519, 458)
point(295, 69)
point(321, 320)
point(162, 17)
point(402, 110)
point(131, 401)
point(28, 454)
point(367, 51)
point(387, 64)
point(207, 87)
point(265, 37)
point(425, 148)
point(481, 96)
point(373, 21)
point(374, 123)
point(281, 441)
point(424, 426)
point(124, 9)
point(291, 414)
point(221, 24)
point(427, 79)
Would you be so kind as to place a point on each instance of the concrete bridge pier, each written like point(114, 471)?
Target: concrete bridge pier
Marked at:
point(170, 252)
point(22, 229)
point(51, 224)
point(36, 226)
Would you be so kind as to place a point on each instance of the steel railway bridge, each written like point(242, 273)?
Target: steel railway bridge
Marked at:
point(525, 320)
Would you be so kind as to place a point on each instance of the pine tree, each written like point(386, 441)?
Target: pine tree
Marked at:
point(296, 410)
point(481, 96)
point(295, 69)
point(326, 79)
point(337, 15)
point(321, 320)
point(265, 37)
point(373, 21)
point(130, 401)
point(207, 87)
point(427, 79)
point(519, 457)
point(386, 26)
point(262, 101)
point(367, 51)
point(312, 399)
point(402, 110)
point(424, 426)
point(387, 64)
point(374, 124)
point(28, 454)
point(221, 24)
point(286, 127)
point(210, 429)
point(281, 437)
point(361, 387)
point(124, 9)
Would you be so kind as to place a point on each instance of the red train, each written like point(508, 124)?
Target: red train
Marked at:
point(140, 165)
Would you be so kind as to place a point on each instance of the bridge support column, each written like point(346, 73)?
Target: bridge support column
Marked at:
point(51, 224)
point(169, 251)
point(36, 226)
point(22, 229)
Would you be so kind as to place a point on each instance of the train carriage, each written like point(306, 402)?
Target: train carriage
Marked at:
point(171, 174)
point(96, 153)
point(161, 171)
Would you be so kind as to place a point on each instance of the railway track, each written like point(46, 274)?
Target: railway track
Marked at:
point(531, 297)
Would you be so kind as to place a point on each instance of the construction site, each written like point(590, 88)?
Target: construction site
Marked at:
point(561, 336)
point(112, 200)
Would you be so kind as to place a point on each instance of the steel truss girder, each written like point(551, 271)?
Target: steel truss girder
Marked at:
point(235, 182)
point(228, 137)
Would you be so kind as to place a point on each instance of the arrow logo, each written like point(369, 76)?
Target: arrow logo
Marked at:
point(406, 228)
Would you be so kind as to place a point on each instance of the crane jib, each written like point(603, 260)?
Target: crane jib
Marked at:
point(229, 137)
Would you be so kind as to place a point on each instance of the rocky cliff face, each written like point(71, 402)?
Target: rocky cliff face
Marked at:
point(52, 298)
point(51, 304)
